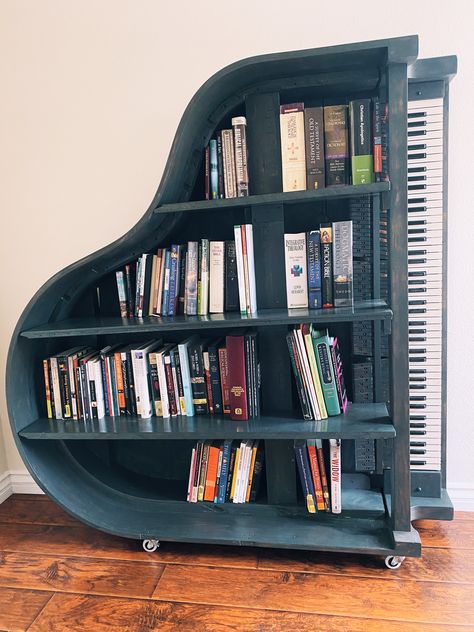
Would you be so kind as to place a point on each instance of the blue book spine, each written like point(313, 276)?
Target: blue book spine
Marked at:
point(215, 379)
point(186, 377)
point(214, 170)
point(315, 297)
point(166, 284)
point(173, 284)
point(304, 470)
point(224, 471)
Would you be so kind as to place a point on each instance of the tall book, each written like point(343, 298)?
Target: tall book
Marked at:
point(161, 282)
point(251, 269)
point(203, 280)
point(335, 469)
point(336, 144)
point(306, 331)
point(122, 294)
point(326, 266)
point(197, 377)
point(141, 369)
point(216, 388)
point(362, 160)
point(174, 280)
point(304, 471)
point(231, 283)
point(314, 144)
point(130, 281)
point(337, 366)
point(295, 267)
point(211, 473)
point(224, 376)
point(228, 156)
point(342, 264)
point(214, 181)
point(322, 349)
point(322, 472)
point(239, 126)
point(313, 462)
point(224, 474)
point(297, 371)
point(220, 167)
point(186, 374)
point(190, 293)
point(238, 396)
point(166, 283)
point(293, 162)
point(315, 296)
point(240, 269)
point(216, 277)
point(207, 173)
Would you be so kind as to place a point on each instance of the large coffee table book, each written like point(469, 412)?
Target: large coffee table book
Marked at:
point(264, 157)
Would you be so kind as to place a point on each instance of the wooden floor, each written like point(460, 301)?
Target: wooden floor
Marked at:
point(58, 575)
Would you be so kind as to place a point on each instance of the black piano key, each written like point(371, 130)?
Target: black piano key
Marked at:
point(418, 418)
point(416, 146)
point(417, 451)
point(421, 178)
point(415, 359)
point(416, 290)
point(417, 273)
point(417, 302)
point(417, 222)
point(418, 406)
point(415, 463)
point(416, 123)
point(417, 231)
point(416, 187)
point(417, 323)
point(416, 261)
point(418, 387)
point(421, 200)
point(418, 433)
point(417, 132)
point(417, 310)
point(417, 339)
point(416, 240)
point(416, 156)
point(418, 398)
point(417, 331)
point(417, 379)
point(417, 170)
point(416, 115)
point(418, 444)
point(417, 209)
point(416, 253)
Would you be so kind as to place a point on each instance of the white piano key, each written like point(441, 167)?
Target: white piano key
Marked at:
point(425, 104)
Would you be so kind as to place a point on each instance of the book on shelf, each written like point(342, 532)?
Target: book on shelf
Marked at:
point(311, 456)
point(295, 270)
point(239, 124)
point(342, 264)
point(336, 144)
point(314, 144)
point(362, 160)
point(225, 471)
point(292, 134)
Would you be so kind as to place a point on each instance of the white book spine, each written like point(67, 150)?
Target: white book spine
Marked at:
point(121, 293)
point(203, 299)
point(244, 479)
point(161, 282)
point(335, 468)
point(240, 269)
point(216, 277)
point(56, 390)
point(307, 373)
point(239, 472)
point(251, 267)
point(295, 270)
point(191, 278)
point(145, 404)
point(99, 390)
point(162, 381)
point(293, 158)
point(137, 383)
point(191, 475)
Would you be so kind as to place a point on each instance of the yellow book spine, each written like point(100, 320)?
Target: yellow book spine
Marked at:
point(234, 476)
point(315, 375)
point(252, 467)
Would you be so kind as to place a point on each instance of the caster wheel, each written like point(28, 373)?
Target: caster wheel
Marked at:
point(394, 561)
point(150, 545)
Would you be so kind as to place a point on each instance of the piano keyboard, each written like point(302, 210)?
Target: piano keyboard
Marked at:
point(425, 270)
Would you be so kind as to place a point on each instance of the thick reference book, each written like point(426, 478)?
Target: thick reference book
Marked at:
point(336, 144)
point(293, 161)
point(322, 348)
point(238, 396)
point(239, 126)
point(314, 143)
point(216, 277)
point(295, 267)
point(342, 264)
point(196, 370)
point(231, 283)
point(326, 266)
point(190, 294)
point(362, 161)
point(315, 297)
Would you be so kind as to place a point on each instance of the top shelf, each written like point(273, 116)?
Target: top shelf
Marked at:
point(289, 198)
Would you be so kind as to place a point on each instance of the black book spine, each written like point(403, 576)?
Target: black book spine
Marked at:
point(107, 404)
point(233, 452)
point(336, 139)
point(182, 279)
point(130, 288)
point(198, 382)
point(327, 267)
point(256, 373)
point(215, 379)
point(220, 167)
point(179, 380)
point(64, 387)
point(126, 384)
point(231, 284)
point(131, 384)
point(305, 406)
point(249, 376)
point(85, 391)
point(148, 262)
point(50, 379)
point(314, 144)
point(257, 472)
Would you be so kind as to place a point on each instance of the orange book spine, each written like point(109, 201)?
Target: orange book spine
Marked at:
point(211, 474)
point(324, 481)
point(318, 488)
point(119, 380)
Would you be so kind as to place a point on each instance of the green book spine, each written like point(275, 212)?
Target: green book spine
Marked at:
point(362, 160)
point(322, 351)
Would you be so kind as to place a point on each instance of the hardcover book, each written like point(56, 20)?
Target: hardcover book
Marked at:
point(342, 264)
point(295, 266)
point(239, 125)
point(220, 167)
point(213, 168)
point(335, 466)
point(304, 471)
point(336, 144)
point(196, 371)
point(216, 277)
point(377, 135)
point(362, 161)
point(314, 143)
point(315, 297)
point(238, 396)
point(293, 160)
point(192, 262)
point(326, 372)
point(203, 279)
point(231, 285)
point(326, 266)
point(228, 155)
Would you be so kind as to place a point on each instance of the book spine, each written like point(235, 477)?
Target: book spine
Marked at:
point(307, 376)
point(211, 473)
point(173, 281)
point(99, 389)
point(197, 470)
point(130, 290)
point(191, 474)
point(203, 472)
point(170, 386)
point(377, 136)
point(220, 168)
point(313, 365)
point(255, 370)
point(182, 280)
point(138, 266)
point(215, 379)
point(240, 270)
point(140, 377)
point(336, 144)
point(121, 294)
point(203, 283)
point(155, 275)
point(318, 488)
point(166, 283)
point(237, 379)
point(142, 285)
point(293, 161)
point(161, 283)
point(186, 377)
point(327, 266)
point(335, 464)
point(47, 388)
point(362, 161)
point(231, 284)
point(198, 384)
point(213, 168)
point(216, 277)
point(251, 268)
point(340, 375)
point(305, 475)
point(236, 473)
point(249, 376)
point(179, 382)
point(226, 450)
point(207, 380)
point(147, 280)
point(224, 374)
point(219, 470)
point(105, 389)
point(232, 173)
point(155, 385)
point(207, 173)
point(342, 264)
point(227, 156)
point(86, 392)
point(126, 383)
point(305, 405)
point(326, 375)
point(257, 472)
point(53, 362)
point(384, 175)
point(77, 381)
point(322, 472)
point(336, 374)
point(230, 476)
point(92, 390)
point(245, 260)
point(160, 363)
point(251, 471)
point(64, 387)
point(314, 143)
point(295, 266)
point(192, 261)
point(315, 298)
point(239, 126)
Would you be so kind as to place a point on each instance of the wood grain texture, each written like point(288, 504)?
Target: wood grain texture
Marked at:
point(79, 613)
point(456, 534)
point(439, 565)
point(19, 608)
point(80, 575)
point(321, 594)
point(34, 509)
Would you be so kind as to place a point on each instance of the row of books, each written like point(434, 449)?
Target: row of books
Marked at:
point(319, 267)
point(316, 144)
point(310, 461)
point(223, 471)
point(225, 163)
point(196, 278)
point(194, 377)
point(317, 368)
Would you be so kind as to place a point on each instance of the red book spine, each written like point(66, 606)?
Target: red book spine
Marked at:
point(211, 473)
point(324, 480)
point(224, 371)
point(318, 488)
point(207, 379)
point(170, 387)
point(238, 396)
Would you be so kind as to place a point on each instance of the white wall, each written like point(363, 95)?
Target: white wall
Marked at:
point(92, 93)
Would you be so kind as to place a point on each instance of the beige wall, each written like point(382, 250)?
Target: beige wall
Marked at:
point(92, 92)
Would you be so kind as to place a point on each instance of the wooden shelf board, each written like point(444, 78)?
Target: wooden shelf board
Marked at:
point(361, 310)
point(360, 421)
point(288, 198)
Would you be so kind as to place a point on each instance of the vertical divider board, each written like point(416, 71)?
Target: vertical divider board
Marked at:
point(263, 125)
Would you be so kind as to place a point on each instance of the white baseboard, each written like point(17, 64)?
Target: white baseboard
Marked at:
point(5, 486)
point(462, 496)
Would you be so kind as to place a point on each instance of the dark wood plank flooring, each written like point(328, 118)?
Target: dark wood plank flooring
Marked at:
point(57, 575)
